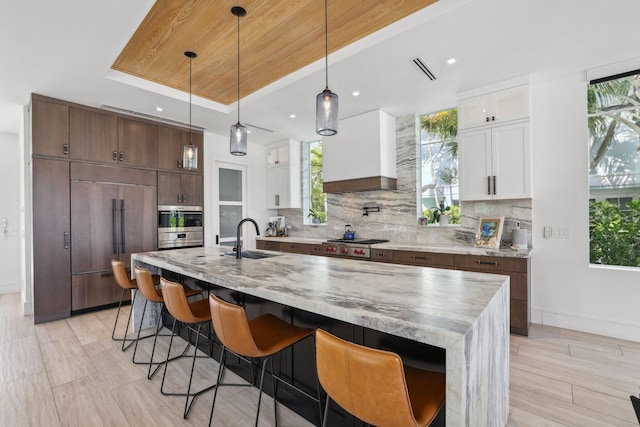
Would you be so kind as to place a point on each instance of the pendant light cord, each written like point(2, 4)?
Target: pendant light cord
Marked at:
point(190, 59)
point(326, 43)
point(238, 69)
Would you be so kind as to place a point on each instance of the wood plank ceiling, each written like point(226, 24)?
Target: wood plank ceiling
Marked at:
point(277, 37)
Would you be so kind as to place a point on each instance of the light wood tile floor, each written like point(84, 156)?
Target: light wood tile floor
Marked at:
point(70, 373)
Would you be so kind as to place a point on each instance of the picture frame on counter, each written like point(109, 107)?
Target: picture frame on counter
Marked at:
point(489, 232)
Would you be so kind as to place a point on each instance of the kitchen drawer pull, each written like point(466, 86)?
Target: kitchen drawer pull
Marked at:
point(488, 185)
point(66, 240)
point(494, 263)
point(115, 156)
point(122, 156)
point(381, 254)
point(422, 257)
point(65, 149)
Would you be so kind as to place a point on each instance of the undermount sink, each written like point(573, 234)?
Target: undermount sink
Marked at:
point(252, 254)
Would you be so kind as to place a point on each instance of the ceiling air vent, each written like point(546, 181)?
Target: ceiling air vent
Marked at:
point(249, 125)
point(422, 67)
point(148, 116)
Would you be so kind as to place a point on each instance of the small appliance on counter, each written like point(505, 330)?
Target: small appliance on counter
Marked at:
point(519, 238)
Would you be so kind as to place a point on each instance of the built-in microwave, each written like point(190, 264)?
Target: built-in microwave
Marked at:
point(179, 226)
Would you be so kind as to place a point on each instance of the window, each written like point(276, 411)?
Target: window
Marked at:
point(315, 201)
point(614, 170)
point(439, 195)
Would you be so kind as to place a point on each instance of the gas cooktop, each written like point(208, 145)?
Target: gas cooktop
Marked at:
point(358, 241)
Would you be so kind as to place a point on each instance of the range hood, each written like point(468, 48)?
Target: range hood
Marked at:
point(362, 156)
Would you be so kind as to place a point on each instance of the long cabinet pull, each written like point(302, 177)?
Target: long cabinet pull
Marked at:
point(488, 185)
point(425, 258)
point(114, 225)
point(494, 184)
point(122, 226)
point(277, 200)
point(494, 263)
point(66, 240)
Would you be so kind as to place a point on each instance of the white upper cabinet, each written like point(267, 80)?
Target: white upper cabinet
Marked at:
point(493, 108)
point(494, 142)
point(284, 175)
point(495, 163)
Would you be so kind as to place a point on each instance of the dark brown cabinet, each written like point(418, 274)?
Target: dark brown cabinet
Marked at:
point(424, 259)
point(518, 271)
point(95, 197)
point(137, 143)
point(296, 248)
point(381, 255)
point(180, 189)
point(50, 128)
point(51, 240)
point(268, 245)
point(112, 216)
point(171, 143)
point(93, 136)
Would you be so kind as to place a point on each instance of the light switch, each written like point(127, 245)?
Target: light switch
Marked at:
point(561, 233)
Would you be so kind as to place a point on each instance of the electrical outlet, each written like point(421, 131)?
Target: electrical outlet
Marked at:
point(561, 233)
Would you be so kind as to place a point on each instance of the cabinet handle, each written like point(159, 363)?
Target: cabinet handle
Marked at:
point(65, 149)
point(122, 226)
point(179, 164)
point(115, 156)
point(121, 156)
point(488, 185)
point(422, 257)
point(114, 225)
point(494, 184)
point(494, 263)
point(487, 118)
point(381, 254)
point(277, 200)
point(493, 118)
point(66, 240)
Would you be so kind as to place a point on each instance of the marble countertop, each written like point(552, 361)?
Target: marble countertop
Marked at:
point(430, 305)
point(447, 249)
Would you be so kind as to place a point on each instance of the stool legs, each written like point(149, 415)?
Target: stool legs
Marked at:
point(126, 342)
point(188, 394)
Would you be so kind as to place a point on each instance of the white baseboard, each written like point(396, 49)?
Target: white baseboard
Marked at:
point(9, 288)
point(27, 308)
point(590, 324)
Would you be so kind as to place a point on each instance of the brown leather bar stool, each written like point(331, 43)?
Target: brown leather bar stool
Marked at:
point(122, 279)
point(261, 337)
point(193, 316)
point(153, 295)
point(375, 386)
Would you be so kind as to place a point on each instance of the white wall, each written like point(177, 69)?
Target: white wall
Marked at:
point(566, 291)
point(216, 148)
point(10, 210)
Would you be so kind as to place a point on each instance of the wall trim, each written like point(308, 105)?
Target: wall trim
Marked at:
point(9, 288)
point(590, 324)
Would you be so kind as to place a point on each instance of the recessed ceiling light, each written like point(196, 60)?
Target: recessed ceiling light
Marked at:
point(292, 116)
point(355, 93)
point(451, 61)
point(159, 109)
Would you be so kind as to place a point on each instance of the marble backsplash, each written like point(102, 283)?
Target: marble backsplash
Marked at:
point(397, 219)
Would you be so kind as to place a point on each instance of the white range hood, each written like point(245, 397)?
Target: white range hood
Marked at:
point(362, 156)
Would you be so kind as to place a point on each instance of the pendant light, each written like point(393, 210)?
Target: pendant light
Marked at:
point(238, 146)
point(326, 101)
point(190, 152)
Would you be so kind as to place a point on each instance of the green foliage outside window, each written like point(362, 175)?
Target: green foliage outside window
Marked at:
point(614, 234)
point(318, 205)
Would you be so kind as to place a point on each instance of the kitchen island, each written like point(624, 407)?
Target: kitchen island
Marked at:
point(464, 313)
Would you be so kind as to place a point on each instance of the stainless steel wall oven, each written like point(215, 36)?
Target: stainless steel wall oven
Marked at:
point(179, 226)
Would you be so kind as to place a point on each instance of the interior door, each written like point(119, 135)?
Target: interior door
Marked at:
point(230, 194)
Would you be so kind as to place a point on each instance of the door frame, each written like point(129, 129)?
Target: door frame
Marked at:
point(215, 197)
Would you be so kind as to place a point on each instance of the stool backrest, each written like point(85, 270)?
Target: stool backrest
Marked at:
point(176, 301)
point(232, 327)
point(366, 382)
point(145, 285)
point(120, 274)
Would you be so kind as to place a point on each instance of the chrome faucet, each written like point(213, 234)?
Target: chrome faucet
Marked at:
point(238, 242)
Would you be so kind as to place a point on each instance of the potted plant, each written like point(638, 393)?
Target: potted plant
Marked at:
point(316, 217)
point(440, 214)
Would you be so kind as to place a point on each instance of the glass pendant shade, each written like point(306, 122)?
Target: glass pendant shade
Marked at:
point(327, 113)
point(238, 146)
point(190, 157)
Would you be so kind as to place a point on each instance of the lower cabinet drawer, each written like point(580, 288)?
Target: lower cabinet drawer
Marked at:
point(316, 250)
point(296, 248)
point(491, 263)
point(425, 259)
point(267, 245)
point(381, 255)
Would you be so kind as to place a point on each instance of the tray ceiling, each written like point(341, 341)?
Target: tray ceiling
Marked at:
point(276, 39)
